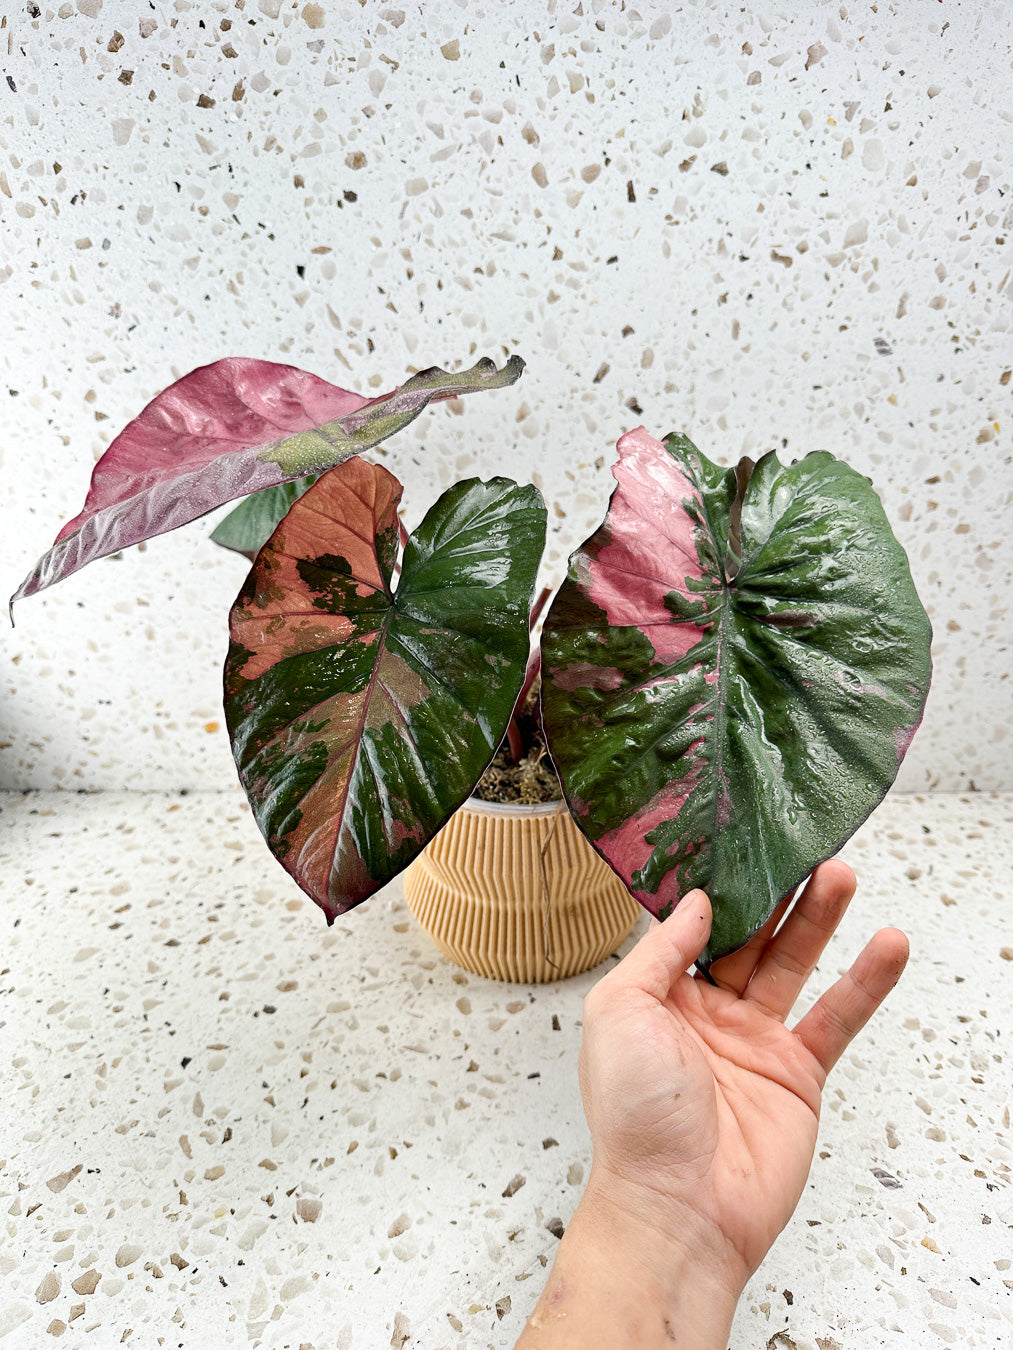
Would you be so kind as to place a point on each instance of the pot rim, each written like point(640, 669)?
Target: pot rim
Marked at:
point(522, 810)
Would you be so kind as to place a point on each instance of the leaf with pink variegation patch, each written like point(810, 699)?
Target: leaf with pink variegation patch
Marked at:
point(732, 673)
point(361, 718)
point(226, 430)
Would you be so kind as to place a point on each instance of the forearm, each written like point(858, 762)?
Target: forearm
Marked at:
point(613, 1285)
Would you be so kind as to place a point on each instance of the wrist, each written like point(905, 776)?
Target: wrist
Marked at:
point(667, 1239)
point(619, 1278)
point(654, 1220)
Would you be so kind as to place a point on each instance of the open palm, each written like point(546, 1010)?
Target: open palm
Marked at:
point(702, 1104)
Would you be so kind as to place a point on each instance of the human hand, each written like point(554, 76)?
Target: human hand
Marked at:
point(703, 1108)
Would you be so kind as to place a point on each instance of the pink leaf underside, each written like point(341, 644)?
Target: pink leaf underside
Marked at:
point(195, 446)
point(351, 505)
point(651, 547)
point(347, 510)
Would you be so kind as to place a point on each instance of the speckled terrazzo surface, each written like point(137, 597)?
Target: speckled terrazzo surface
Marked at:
point(227, 1125)
point(766, 227)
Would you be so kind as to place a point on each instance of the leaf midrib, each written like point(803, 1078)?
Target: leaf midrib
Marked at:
point(725, 607)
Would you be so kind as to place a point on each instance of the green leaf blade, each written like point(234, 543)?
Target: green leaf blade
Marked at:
point(247, 528)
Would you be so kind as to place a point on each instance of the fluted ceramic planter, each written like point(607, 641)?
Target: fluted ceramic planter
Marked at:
point(515, 892)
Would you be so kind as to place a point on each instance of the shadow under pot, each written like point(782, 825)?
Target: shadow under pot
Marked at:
point(514, 891)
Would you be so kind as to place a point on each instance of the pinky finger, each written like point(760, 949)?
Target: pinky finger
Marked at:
point(830, 1026)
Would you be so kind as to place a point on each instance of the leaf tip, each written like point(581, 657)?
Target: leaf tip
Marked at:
point(22, 591)
point(703, 965)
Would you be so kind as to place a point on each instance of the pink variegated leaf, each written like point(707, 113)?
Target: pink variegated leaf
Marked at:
point(228, 429)
point(361, 715)
point(732, 673)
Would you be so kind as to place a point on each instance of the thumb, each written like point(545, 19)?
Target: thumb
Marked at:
point(668, 949)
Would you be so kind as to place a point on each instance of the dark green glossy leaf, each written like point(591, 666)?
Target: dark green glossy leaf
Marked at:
point(360, 719)
point(255, 519)
point(734, 669)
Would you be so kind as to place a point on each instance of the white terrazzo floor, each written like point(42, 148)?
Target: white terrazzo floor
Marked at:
point(225, 1125)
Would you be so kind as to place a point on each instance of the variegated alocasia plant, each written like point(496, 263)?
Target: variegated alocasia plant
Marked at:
point(732, 673)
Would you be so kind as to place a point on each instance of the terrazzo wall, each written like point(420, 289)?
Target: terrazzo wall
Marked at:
point(781, 227)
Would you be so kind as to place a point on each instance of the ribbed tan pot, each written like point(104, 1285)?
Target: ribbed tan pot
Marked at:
point(515, 892)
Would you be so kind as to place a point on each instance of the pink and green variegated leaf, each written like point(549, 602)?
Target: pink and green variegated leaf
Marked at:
point(361, 718)
point(732, 673)
point(226, 430)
